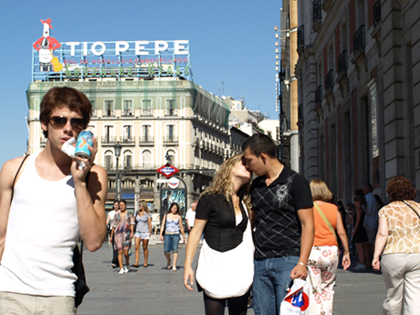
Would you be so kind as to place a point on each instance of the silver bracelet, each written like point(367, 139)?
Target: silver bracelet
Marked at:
point(302, 264)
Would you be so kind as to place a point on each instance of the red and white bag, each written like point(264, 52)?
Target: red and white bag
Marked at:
point(296, 301)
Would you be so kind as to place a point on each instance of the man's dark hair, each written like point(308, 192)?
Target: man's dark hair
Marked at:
point(64, 97)
point(368, 185)
point(260, 143)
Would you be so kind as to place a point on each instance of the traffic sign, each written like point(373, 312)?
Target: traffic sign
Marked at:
point(167, 170)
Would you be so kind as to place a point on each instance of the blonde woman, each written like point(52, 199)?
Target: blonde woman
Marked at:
point(143, 231)
point(226, 264)
point(323, 260)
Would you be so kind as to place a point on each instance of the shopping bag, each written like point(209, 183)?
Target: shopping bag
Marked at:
point(296, 301)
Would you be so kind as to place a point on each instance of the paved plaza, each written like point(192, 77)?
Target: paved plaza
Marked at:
point(156, 291)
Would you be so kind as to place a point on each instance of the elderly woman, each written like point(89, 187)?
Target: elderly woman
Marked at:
point(398, 240)
point(323, 260)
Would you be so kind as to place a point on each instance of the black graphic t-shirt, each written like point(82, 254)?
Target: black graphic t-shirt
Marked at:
point(278, 227)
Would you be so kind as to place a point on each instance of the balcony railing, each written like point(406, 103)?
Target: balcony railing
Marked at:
point(326, 5)
point(109, 140)
point(171, 112)
point(329, 81)
point(128, 140)
point(170, 140)
point(93, 113)
point(128, 113)
point(359, 39)
point(146, 140)
point(342, 62)
point(108, 113)
point(301, 37)
point(377, 13)
point(316, 14)
point(146, 113)
point(318, 95)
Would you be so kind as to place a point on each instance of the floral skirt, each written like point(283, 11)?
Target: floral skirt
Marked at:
point(322, 264)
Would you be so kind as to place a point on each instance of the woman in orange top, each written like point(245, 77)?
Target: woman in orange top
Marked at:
point(323, 261)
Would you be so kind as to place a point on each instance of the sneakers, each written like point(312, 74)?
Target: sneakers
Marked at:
point(122, 271)
point(125, 269)
point(359, 267)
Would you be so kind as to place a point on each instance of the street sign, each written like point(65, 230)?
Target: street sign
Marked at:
point(167, 170)
point(173, 182)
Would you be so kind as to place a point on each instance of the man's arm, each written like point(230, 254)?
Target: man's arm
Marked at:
point(91, 207)
point(306, 217)
point(7, 174)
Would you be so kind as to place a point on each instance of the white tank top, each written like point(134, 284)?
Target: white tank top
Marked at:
point(42, 232)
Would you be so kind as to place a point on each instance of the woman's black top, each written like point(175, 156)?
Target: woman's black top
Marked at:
point(221, 232)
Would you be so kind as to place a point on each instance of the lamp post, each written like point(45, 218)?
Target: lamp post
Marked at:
point(117, 152)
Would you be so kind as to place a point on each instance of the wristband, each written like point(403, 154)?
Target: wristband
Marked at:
point(189, 258)
point(302, 264)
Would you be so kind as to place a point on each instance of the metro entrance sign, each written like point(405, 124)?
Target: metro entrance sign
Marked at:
point(167, 170)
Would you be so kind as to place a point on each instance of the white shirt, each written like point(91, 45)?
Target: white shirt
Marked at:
point(190, 216)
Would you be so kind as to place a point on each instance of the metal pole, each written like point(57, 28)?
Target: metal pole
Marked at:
point(118, 182)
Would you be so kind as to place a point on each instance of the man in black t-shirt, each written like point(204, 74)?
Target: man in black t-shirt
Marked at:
point(284, 224)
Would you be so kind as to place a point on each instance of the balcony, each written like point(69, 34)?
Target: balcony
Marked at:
point(377, 13)
point(301, 39)
point(318, 96)
point(342, 63)
point(316, 15)
point(128, 113)
point(359, 40)
point(171, 112)
point(126, 140)
point(329, 83)
point(108, 140)
point(146, 113)
point(326, 5)
point(170, 140)
point(146, 141)
point(108, 113)
point(93, 113)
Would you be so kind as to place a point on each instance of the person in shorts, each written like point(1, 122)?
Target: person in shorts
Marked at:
point(143, 231)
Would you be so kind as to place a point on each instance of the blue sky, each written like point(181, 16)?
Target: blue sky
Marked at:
point(231, 41)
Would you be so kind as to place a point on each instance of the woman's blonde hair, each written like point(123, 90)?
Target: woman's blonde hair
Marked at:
point(320, 190)
point(145, 206)
point(222, 182)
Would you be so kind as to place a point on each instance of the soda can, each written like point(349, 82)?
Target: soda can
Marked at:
point(83, 140)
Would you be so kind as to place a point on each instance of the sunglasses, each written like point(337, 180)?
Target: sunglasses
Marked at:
point(59, 122)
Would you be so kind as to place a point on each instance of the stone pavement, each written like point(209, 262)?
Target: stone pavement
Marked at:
point(156, 291)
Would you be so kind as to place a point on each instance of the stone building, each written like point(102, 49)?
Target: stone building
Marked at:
point(359, 96)
point(152, 120)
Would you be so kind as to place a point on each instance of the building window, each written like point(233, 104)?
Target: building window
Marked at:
point(171, 132)
point(108, 134)
point(93, 112)
point(109, 108)
point(127, 160)
point(147, 158)
point(170, 108)
point(127, 108)
point(146, 132)
point(128, 134)
point(146, 109)
point(108, 160)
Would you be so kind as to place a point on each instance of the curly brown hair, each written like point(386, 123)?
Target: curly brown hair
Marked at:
point(222, 182)
point(399, 189)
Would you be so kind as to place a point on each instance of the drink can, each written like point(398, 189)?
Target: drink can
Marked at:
point(83, 140)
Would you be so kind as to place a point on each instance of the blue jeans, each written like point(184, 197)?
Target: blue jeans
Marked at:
point(170, 243)
point(271, 280)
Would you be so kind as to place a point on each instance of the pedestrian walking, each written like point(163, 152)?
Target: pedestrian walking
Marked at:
point(172, 221)
point(123, 232)
point(398, 241)
point(109, 219)
point(143, 231)
point(225, 265)
point(323, 261)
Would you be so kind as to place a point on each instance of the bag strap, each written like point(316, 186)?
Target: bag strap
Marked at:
point(323, 216)
point(16, 175)
point(412, 208)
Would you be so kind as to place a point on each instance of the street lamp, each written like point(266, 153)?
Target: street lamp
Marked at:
point(117, 152)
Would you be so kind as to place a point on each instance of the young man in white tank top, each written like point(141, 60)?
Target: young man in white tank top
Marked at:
point(53, 203)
